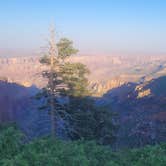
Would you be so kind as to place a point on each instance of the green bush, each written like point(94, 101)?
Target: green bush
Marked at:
point(53, 152)
point(10, 141)
point(148, 156)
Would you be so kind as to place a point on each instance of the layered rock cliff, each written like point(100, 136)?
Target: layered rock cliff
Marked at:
point(107, 72)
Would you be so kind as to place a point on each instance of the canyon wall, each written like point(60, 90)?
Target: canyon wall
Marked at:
point(107, 72)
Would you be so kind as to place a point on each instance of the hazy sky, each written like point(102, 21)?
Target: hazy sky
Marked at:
point(95, 26)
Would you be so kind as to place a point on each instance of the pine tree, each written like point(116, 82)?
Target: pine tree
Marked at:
point(54, 86)
point(66, 78)
point(57, 85)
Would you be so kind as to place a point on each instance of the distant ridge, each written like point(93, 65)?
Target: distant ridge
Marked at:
point(107, 72)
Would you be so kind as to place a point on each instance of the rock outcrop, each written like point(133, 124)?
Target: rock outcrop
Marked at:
point(141, 111)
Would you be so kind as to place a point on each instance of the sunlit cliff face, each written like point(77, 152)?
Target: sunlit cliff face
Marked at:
point(107, 72)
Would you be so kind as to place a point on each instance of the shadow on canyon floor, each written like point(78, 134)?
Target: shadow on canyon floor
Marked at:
point(140, 119)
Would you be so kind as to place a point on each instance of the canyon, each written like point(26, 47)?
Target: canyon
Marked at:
point(131, 87)
point(106, 72)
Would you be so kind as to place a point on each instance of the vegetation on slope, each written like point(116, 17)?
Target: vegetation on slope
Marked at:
point(40, 152)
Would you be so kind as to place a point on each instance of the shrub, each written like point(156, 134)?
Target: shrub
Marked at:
point(51, 152)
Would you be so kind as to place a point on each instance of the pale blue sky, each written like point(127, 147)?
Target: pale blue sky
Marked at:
point(95, 26)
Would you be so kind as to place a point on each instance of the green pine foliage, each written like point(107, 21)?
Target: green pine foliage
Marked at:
point(90, 122)
point(74, 75)
point(51, 152)
point(65, 48)
point(83, 119)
